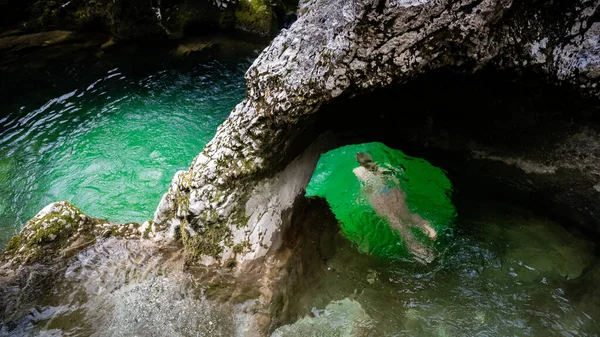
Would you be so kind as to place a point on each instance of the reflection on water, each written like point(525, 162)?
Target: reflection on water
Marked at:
point(123, 288)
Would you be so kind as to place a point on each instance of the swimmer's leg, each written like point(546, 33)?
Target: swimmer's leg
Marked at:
point(420, 252)
point(423, 224)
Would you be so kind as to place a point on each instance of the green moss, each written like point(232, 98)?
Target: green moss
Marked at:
point(112, 231)
point(34, 254)
point(176, 24)
point(14, 243)
point(219, 291)
point(217, 197)
point(89, 237)
point(44, 236)
point(53, 227)
point(208, 241)
point(239, 217)
point(248, 294)
point(226, 18)
point(80, 17)
point(239, 248)
point(231, 263)
point(256, 16)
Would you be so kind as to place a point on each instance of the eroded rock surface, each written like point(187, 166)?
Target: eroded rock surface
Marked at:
point(33, 259)
point(57, 231)
point(343, 48)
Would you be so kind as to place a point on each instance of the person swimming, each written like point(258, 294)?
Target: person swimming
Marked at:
point(389, 202)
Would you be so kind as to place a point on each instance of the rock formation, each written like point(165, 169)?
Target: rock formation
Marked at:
point(235, 205)
point(232, 201)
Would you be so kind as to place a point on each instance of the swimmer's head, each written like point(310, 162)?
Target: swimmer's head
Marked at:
point(365, 160)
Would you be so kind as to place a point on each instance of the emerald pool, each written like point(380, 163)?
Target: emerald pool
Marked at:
point(108, 132)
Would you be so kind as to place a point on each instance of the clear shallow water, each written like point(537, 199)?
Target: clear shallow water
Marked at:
point(505, 272)
point(109, 134)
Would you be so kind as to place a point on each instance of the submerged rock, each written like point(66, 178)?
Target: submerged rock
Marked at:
point(340, 318)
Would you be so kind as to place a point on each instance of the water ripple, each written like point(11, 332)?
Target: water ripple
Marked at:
point(94, 145)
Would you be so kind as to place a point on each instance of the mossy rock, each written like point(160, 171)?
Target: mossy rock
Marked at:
point(257, 16)
point(59, 230)
point(208, 242)
point(134, 18)
point(51, 229)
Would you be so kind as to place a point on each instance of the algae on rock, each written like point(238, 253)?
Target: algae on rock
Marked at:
point(256, 16)
point(59, 230)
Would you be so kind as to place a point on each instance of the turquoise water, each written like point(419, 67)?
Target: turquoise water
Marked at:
point(109, 135)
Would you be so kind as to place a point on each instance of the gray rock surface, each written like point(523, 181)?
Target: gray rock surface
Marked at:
point(340, 48)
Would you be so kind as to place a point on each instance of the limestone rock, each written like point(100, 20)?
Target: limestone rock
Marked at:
point(59, 230)
point(134, 18)
point(340, 318)
point(340, 48)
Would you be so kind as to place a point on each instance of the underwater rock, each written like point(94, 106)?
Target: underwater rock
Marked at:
point(548, 247)
point(340, 318)
point(36, 257)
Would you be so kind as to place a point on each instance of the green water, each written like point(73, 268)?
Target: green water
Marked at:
point(428, 193)
point(108, 134)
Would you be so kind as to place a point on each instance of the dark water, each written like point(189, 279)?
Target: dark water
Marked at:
point(108, 133)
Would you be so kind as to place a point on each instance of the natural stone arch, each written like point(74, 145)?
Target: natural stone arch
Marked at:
point(229, 204)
